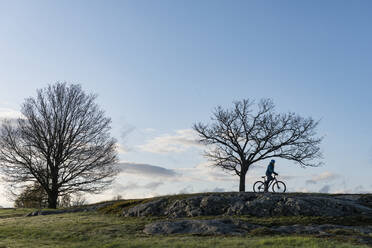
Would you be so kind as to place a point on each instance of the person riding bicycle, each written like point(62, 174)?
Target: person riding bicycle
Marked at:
point(269, 172)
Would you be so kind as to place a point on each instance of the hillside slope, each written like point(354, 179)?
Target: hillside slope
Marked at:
point(243, 213)
point(198, 220)
point(253, 204)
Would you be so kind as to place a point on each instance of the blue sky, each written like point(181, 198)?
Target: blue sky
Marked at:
point(160, 66)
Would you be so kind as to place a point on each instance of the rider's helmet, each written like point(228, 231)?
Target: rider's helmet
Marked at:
point(272, 161)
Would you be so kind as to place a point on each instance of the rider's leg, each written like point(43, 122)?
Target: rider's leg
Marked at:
point(269, 178)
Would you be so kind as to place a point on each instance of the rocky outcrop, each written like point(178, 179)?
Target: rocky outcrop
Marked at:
point(260, 205)
point(237, 227)
point(351, 214)
point(152, 208)
point(88, 208)
point(203, 227)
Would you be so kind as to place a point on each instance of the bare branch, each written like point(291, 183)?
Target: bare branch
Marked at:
point(244, 135)
point(63, 143)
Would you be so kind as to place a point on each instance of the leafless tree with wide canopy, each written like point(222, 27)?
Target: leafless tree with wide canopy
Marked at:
point(62, 142)
point(248, 133)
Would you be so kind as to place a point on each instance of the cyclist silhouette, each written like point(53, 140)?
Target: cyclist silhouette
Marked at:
point(269, 172)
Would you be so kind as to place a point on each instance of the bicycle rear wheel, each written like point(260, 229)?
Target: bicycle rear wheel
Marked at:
point(279, 187)
point(259, 186)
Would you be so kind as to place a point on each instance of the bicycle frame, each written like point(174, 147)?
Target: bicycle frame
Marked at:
point(271, 182)
point(259, 186)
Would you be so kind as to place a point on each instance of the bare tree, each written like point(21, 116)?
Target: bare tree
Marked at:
point(62, 142)
point(32, 196)
point(78, 200)
point(117, 198)
point(249, 132)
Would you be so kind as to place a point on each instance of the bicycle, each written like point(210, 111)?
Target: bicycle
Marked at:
point(276, 186)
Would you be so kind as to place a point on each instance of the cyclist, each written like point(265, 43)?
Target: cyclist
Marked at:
point(269, 172)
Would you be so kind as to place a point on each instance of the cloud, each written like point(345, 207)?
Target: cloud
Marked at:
point(214, 173)
point(343, 191)
point(216, 189)
point(122, 149)
point(153, 185)
point(187, 190)
point(146, 170)
point(149, 130)
point(302, 190)
point(359, 189)
point(323, 177)
point(205, 172)
point(7, 113)
point(287, 177)
point(135, 186)
point(325, 189)
point(126, 130)
point(181, 141)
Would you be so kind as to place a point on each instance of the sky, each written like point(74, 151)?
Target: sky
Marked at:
point(160, 66)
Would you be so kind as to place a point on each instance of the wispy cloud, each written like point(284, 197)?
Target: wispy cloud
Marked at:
point(325, 189)
point(323, 177)
point(149, 130)
point(205, 171)
point(213, 173)
point(135, 186)
point(126, 130)
point(300, 189)
point(344, 189)
point(202, 172)
point(178, 142)
point(187, 190)
point(7, 113)
point(122, 149)
point(216, 189)
point(146, 170)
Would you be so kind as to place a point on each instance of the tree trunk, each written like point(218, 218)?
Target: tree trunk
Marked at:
point(52, 199)
point(242, 182)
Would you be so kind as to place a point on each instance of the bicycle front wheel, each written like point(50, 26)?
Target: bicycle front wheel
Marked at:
point(259, 186)
point(279, 187)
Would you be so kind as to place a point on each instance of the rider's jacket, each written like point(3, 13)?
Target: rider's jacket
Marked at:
point(270, 169)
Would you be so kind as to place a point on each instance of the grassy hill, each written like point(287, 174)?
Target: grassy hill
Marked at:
point(108, 228)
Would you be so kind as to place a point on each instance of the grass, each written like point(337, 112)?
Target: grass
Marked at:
point(117, 207)
point(355, 220)
point(358, 220)
point(106, 228)
point(14, 212)
point(99, 230)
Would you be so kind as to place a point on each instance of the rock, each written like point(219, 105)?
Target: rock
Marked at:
point(282, 205)
point(68, 210)
point(154, 208)
point(35, 213)
point(260, 205)
point(365, 200)
point(197, 206)
point(243, 203)
point(213, 205)
point(189, 207)
point(200, 227)
point(237, 208)
point(327, 229)
point(236, 227)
